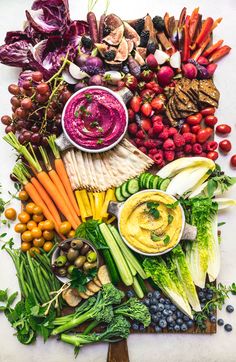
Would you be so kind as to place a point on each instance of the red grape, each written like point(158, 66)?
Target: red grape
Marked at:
point(10, 128)
point(35, 138)
point(41, 98)
point(34, 128)
point(6, 120)
point(21, 138)
point(14, 89)
point(20, 113)
point(44, 141)
point(15, 101)
point(20, 124)
point(50, 113)
point(55, 130)
point(26, 103)
point(27, 135)
point(37, 76)
point(65, 96)
point(42, 88)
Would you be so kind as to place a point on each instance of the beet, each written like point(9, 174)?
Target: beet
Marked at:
point(165, 75)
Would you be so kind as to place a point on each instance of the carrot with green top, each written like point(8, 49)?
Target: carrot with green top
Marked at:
point(61, 171)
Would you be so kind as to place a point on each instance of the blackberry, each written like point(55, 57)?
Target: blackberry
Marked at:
point(110, 55)
point(144, 67)
point(106, 31)
point(151, 48)
point(158, 23)
point(86, 42)
point(144, 37)
point(139, 25)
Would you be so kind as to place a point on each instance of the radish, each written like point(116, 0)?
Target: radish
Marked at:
point(161, 57)
point(165, 75)
point(68, 78)
point(151, 61)
point(190, 71)
point(76, 72)
point(175, 60)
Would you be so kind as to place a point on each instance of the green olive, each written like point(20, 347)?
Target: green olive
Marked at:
point(61, 260)
point(76, 244)
point(70, 269)
point(72, 254)
point(85, 249)
point(79, 262)
point(91, 256)
point(88, 266)
point(61, 272)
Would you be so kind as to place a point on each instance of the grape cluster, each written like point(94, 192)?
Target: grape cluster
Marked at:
point(36, 109)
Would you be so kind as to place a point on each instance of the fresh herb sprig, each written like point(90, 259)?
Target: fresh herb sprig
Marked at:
point(152, 209)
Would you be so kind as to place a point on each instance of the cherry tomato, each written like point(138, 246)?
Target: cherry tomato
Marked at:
point(233, 161)
point(194, 119)
point(48, 225)
point(135, 103)
point(146, 109)
point(65, 227)
point(131, 114)
point(36, 233)
point(25, 246)
point(47, 246)
point(30, 207)
point(38, 242)
point(195, 129)
point(225, 146)
point(48, 235)
point(157, 118)
point(23, 196)
point(38, 218)
point(27, 236)
point(31, 224)
point(37, 210)
point(157, 104)
point(185, 128)
point(34, 250)
point(10, 214)
point(211, 120)
point(223, 129)
point(208, 111)
point(204, 134)
point(24, 217)
point(20, 228)
point(41, 225)
point(213, 155)
point(71, 234)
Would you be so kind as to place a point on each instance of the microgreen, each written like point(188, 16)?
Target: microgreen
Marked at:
point(152, 209)
point(99, 141)
point(154, 236)
point(170, 219)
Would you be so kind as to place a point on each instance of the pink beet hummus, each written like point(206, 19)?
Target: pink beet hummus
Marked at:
point(94, 119)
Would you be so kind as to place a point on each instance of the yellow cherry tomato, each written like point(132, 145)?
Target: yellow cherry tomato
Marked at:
point(10, 214)
point(47, 246)
point(31, 224)
point(41, 225)
point(23, 196)
point(65, 227)
point(30, 207)
point(38, 242)
point(27, 236)
point(34, 250)
point(25, 246)
point(38, 218)
point(37, 210)
point(20, 228)
point(48, 234)
point(48, 225)
point(24, 217)
point(36, 233)
point(71, 234)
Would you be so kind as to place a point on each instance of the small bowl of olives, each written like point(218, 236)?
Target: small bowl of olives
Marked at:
point(74, 253)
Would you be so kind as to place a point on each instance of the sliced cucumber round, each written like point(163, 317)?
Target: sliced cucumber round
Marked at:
point(133, 186)
point(124, 191)
point(147, 180)
point(119, 197)
point(164, 184)
point(155, 182)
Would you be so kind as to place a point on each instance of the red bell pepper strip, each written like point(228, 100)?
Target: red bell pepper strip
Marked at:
point(205, 31)
point(199, 51)
point(219, 53)
point(193, 23)
point(186, 47)
point(182, 17)
point(212, 48)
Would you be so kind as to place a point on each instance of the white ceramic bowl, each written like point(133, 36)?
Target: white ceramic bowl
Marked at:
point(117, 96)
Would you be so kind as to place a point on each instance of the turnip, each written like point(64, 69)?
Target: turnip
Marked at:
point(165, 75)
point(81, 59)
point(96, 80)
point(189, 71)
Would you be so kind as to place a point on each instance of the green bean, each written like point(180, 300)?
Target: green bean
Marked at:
point(22, 281)
point(32, 289)
point(45, 294)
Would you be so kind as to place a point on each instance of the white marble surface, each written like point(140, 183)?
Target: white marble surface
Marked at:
point(163, 348)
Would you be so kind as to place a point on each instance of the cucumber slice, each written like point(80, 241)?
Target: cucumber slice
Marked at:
point(151, 181)
point(119, 197)
point(133, 186)
point(124, 191)
point(147, 180)
point(141, 179)
point(164, 184)
point(155, 182)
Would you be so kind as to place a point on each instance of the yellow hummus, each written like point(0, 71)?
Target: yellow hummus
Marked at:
point(151, 222)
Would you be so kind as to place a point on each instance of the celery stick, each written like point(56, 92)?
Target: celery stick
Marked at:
point(137, 288)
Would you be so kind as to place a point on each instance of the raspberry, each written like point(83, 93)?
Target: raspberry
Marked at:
point(169, 155)
point(138, 142)
point(194, 139)
point(179, 154)
point(197, 149)
point(172, 131)
point(203, 154)
point(140, 134)
point(157, 128)
point(188, 137)
point(158, 158)
point(169, 145)
point(133, 128)
point(143, 149)
point(158, 143)
point(164, 134)
point(210, 146)
point(150, 133)
point(149, 144)
point(188, 149)
point(152, 151)
point(179, 140)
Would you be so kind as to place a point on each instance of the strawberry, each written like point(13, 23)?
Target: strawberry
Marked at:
point(157, 104)
point(131, 82)
point(146, 109)
point(135, 103)
point(147, 75)
point(131, 114)
point(154, 87)
point(146, 124)
point(147, 95)
point(133, 129)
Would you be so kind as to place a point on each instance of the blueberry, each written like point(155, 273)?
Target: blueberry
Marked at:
point(149, 295)
point(201, 295)
point(186, 318)
point(184, 327)
point(220, 322)
point(146, 302)
point(153, 308)
point(203, 300)
point(230, 308)
point(209, 296)
point(159, 314)
point(210, 314)
point(228, 327)
point(160, 307)
point(155, 318)
point(176, 328)
point(156, 294)
point(213, 319)
point(167, 306)
point(174, 316)
point(170, 328)
point(162, 300)
point(170, 312)
point(167, 301)
point(165, 312)
point(173, 308)
point(153, 301)
point(179, 321)
point(190, 323)
point(205, 290)
point(158, 329)
point(170, 319)
point(162, 323)
point(179, 314)
point(130, 293)
point(135, 326)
